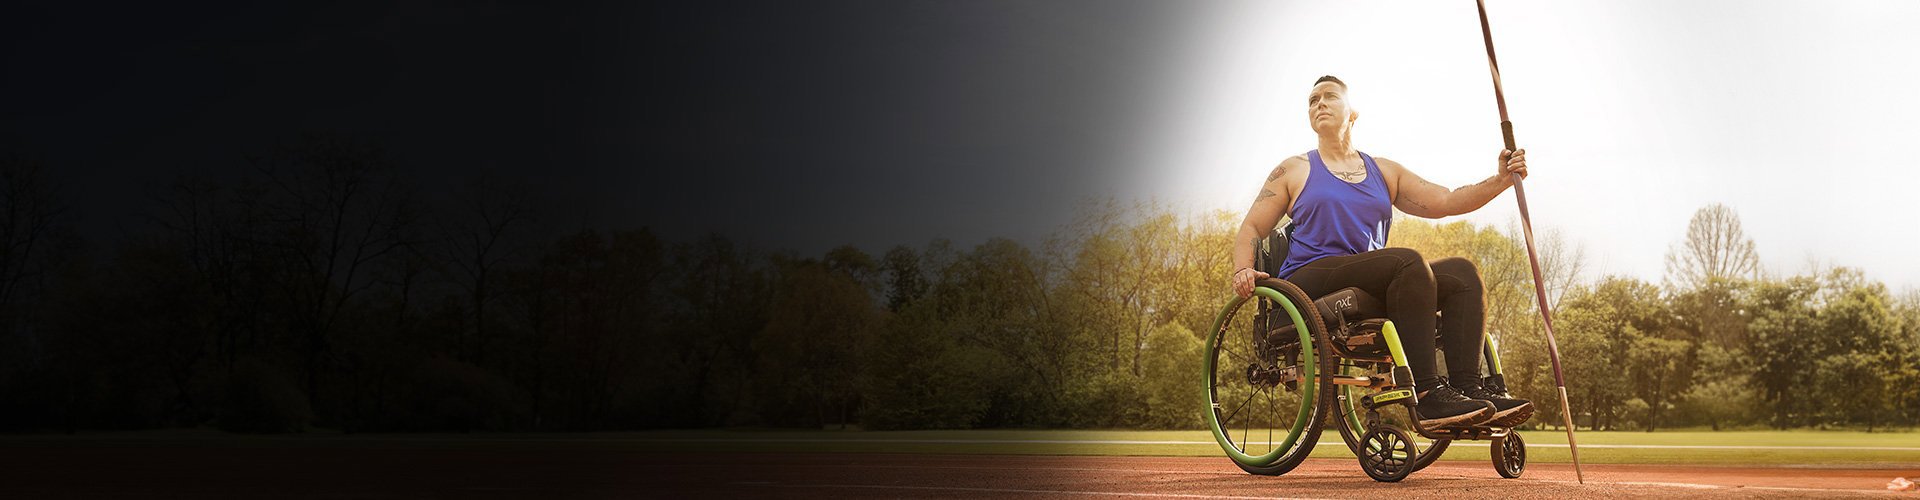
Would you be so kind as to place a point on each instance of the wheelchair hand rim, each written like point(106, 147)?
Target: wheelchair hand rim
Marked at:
point(1309, 389)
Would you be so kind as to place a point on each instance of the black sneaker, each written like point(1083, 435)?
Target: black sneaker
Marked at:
point(1509, 411)
point(1444, 406)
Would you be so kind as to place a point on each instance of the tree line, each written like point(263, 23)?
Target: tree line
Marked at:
point(325, 291)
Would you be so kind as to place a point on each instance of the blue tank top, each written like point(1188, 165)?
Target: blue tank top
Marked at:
point(1336, 217)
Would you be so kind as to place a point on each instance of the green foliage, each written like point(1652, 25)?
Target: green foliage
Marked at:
point(807, 365)
point(1722, 394)
point(445, 394)
point(1599, 329)
point(1786, 341)
point(905, 281)
point(1174, 355)
point(917, 375)
point(228, 319)
point(261, 398)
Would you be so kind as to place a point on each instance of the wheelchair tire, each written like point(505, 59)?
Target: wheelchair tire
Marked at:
point(1387, 454)
point(1244, 369)
point(1347, 415)
point(1509, 455)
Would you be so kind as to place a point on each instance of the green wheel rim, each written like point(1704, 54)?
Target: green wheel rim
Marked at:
point(1309, 385)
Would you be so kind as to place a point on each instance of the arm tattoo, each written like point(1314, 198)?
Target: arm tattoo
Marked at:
point(1264, 194)
point(1277, 172)
point(1482, 181)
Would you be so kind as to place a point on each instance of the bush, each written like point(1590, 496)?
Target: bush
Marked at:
point(1173, 366)
point(260, 398)
point(917, 377)
point(455, 396)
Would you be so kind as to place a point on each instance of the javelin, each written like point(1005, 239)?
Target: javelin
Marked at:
point(1533, 258)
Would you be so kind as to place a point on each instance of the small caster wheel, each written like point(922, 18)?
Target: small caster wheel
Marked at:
point(1509, 455)
point(1387, 454)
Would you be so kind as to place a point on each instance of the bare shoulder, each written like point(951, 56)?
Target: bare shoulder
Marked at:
point(1388, 164)
point(1291, 166)
point(1390, 171)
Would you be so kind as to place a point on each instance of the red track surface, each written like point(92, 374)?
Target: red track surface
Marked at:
point(966, 476)
point(343, 472)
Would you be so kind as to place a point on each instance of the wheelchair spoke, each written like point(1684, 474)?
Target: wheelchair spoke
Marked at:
point(1237, 357)
point(1272, 407)
point(1236, 411)
point(1243, 436)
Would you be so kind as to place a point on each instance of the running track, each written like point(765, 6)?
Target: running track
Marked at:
point(47, 469)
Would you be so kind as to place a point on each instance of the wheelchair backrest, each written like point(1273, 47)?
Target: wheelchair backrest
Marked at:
point(1272, 252)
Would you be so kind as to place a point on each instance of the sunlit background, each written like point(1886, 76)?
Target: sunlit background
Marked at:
point(1798, 115)
point(806, 126)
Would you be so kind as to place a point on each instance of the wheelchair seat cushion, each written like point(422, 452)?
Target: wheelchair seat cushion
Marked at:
point(1349, 305)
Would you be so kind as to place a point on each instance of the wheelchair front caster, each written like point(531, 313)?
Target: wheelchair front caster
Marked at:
point(1387, 454)
point(1509, 455)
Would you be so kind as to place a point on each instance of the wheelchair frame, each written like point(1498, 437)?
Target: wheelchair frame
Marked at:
point(1276, 361)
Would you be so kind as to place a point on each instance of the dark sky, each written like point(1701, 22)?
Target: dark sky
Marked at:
point(797, 125)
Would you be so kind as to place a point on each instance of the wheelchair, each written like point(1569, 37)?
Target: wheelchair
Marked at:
point(1266, 374)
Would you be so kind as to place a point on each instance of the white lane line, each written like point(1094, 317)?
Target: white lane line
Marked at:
point(1785, 488)
point(1335, 443)
point(1669, 485)
point(1034, 492)
point(1697, 486)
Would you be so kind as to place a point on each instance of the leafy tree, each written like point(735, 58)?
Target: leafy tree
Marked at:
point(917, 374)
point(1660, 369)
point(808, 367)
point(1715, 313)
point(905, 280)
point(1174, 358)
point(1613, 350)
point(1722, 393)
point(998, 298)
point(1787, 339)
point(718, 302)
point(1851, 377)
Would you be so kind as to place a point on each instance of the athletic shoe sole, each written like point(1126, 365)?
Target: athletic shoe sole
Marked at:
point(1513, 416)
point(1461, 420)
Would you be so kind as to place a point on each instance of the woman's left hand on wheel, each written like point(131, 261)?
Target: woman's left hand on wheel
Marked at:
point(1243, 281)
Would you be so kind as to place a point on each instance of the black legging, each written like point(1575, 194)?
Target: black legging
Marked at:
point(1413, 289)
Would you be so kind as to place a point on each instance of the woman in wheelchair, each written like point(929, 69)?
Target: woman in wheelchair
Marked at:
point(1341, 201)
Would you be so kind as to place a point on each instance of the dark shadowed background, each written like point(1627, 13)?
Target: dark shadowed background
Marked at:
point(797, 125)
point(390, 216)
point(702, 220)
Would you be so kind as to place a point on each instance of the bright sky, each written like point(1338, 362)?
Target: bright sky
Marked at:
point(1801, 116)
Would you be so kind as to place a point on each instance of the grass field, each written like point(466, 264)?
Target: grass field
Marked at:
point(1779, 448)
point(1770, 448)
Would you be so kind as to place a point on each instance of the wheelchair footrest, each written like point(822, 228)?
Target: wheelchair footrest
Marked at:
point(1465, 433)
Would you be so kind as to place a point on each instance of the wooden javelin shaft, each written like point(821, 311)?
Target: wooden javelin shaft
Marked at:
point(1533, 257)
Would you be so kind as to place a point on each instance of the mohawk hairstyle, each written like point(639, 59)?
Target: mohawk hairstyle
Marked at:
point(1331, 78)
